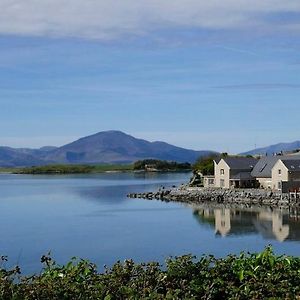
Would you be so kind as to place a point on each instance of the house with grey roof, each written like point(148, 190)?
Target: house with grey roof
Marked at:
point(263, 169)
point(234, 172)
point(286, 174)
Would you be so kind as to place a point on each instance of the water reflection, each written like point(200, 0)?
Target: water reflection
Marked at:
point(281, 225)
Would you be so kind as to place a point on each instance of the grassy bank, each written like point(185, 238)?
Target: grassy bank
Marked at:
point(247, 276)
point(85, 169)
point(9, 170)
point(67, 169)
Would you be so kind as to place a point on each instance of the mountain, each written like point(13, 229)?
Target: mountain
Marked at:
point(274, 148)
point(103, 147)
point(10, 157)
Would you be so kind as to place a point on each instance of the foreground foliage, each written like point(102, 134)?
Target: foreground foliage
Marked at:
point(248, 276)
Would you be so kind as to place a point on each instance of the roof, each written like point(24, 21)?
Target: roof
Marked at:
point(241, 163)
point(217, 160)
point(292, 165)
point(242, 176)
point(263, 169)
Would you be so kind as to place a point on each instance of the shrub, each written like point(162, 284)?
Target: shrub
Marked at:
point(247, 276)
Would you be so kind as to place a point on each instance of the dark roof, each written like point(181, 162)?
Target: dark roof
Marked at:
point(241, 163)
point(242, 176)
point(217, 160)
point(263, 168)
point(292, 165)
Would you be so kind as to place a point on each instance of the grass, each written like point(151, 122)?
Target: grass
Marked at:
point(83, 169)
point(9, 170)
point(69, 169)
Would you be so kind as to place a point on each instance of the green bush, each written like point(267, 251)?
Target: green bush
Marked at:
point(247, 276)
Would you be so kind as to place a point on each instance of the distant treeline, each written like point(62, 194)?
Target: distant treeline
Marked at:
point(147, 165)
point(72, 169)
point(160, 165)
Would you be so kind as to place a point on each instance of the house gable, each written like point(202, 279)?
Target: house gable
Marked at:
point(280, 173)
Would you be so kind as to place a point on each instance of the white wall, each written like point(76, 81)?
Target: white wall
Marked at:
point(265, 183)
point(279, 173)
point(219, 177)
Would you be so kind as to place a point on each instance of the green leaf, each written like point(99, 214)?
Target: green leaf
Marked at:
point(241, 275)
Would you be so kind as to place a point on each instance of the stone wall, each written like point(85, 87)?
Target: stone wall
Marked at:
point(197, 195)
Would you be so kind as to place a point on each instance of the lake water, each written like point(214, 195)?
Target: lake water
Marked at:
point(89, 216)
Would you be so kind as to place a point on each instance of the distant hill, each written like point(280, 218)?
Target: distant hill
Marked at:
point(11, 157)
point(103, 147)
point(274, 148)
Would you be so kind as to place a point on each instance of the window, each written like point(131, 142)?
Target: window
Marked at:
point(222, 183)
point(222, 171)
point(211, 181)
point(279, 185)
point(263, 167)
point(279, 172)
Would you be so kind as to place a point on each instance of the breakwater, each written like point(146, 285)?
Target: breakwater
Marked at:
point(193, 195)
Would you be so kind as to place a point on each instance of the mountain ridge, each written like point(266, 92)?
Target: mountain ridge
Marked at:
point(275, 148)
point(104, 147)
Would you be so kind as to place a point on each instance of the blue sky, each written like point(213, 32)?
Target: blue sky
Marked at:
point(198, 75)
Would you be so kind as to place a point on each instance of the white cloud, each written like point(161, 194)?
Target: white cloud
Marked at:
point(111, 19)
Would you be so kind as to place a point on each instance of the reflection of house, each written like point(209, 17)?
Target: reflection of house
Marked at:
point(222, 221)
point(234, 172)
point(227, 221)
point(271, 225)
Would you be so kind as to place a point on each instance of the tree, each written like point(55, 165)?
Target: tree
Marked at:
point(205, 165)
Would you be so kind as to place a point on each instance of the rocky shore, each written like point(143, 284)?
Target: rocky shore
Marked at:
point(192, 195)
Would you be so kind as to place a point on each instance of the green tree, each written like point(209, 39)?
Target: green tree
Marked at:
point(205, 165)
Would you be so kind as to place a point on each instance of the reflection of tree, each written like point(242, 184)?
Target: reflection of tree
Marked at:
point(277, 224)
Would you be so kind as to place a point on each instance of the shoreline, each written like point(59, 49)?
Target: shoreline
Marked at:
point(95, 172)
point(216, 196)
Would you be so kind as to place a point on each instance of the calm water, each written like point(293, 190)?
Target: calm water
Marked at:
point(89, 216)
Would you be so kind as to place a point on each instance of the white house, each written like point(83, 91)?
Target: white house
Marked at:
point(286, 171)
point(234, 172)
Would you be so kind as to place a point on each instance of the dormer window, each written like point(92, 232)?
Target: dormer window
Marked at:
point(222, 171)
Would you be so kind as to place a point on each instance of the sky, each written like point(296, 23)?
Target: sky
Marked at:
point(217, 75)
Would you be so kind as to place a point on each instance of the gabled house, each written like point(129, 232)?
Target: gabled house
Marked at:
point(286, 171)
point(262, 171)
point(234, 172)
